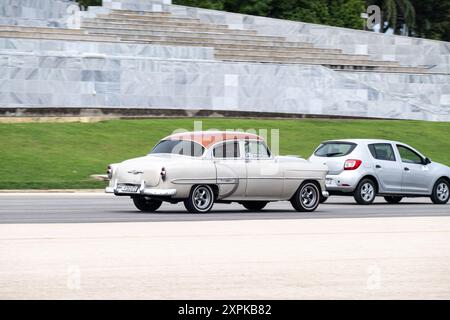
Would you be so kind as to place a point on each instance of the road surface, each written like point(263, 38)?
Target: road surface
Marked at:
point(95, 246)
point(77, 208)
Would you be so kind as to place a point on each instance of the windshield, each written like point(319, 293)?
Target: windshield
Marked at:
point(335, 149)
point(182, 147)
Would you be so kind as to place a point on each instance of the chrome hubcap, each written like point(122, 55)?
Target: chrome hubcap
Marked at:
point(367, 192)
point(442, 191)
point(309, 196)
point(202, 198)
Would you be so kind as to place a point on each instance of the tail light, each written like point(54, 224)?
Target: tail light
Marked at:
point(352, 164)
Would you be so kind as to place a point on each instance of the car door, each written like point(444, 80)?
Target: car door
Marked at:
point(231, 170)
point(387, 167)
point(265, 179)
point(415, 174)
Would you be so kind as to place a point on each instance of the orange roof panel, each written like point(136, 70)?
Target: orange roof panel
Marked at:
point(208, 138)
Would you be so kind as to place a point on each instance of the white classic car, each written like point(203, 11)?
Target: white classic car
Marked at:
point(203, 168)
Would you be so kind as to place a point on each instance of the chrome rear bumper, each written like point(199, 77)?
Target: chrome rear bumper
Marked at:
point(143, 191)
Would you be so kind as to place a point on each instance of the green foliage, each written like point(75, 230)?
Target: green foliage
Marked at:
point(64, 155)
point(253, 7)
point(432, 19)
point(207, 4)
point(87, 3)
point(303, 10)
point(346, 13)
point(341, 13)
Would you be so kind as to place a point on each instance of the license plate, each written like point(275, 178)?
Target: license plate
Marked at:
point(328, 181)
point(128, 189)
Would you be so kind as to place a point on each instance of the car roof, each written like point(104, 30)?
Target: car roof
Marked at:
point(208, 138)
point(366, 141)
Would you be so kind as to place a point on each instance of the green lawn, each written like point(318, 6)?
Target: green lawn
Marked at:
point(64, 155)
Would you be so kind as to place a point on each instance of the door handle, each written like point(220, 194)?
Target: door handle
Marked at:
point(378, 166)
point(406, 169)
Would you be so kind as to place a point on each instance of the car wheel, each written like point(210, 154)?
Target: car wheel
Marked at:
point(441, 193)
point(146, 204)
point(365, 192)
point(254, 205)
point(393, 199)
point(201, 199)
point(307, 197)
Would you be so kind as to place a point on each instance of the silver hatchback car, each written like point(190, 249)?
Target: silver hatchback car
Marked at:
point(365, 169)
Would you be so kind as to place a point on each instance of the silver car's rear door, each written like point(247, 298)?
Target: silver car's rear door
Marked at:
point(387, 167)
point(416, 175)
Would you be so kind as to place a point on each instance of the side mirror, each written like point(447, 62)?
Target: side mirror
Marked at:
point(427, 161)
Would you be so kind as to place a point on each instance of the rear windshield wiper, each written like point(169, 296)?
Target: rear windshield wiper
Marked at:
point(332, 154)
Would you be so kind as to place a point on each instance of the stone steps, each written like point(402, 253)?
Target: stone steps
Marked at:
point(208, 41)
point(338, 65)
point(318, 60)
point(43, 30)
point(162, 22)
point(141, 13)
point(104, 23)
point(139, 18)
point(307, 53)
point(184, 34)
point(399, 69)
point(68, 34)
point(56, 36)
point(127, 14)
point(274, 49)
point(228, 45)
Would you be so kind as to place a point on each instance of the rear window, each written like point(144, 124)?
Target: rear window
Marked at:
point(335, 149)
point(382, 151)
point(185, 148)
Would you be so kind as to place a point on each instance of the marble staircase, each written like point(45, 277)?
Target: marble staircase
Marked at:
point(162, 28)
point(229, 44)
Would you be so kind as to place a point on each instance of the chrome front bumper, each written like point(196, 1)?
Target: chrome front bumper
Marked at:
point(325, 194)
point(142, 191)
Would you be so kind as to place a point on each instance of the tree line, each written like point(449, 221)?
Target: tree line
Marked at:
point(419, 18)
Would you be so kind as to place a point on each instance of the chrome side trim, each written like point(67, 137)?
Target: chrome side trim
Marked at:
point(193, 180)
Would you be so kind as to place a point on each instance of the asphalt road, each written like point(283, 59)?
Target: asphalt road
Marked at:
point(97, 207)
point(97, 246)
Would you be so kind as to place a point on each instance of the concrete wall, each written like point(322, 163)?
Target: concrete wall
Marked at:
point(11, 46)
point(138, 5)
point(168, 80)
point(35, 12)
point(44, 73)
